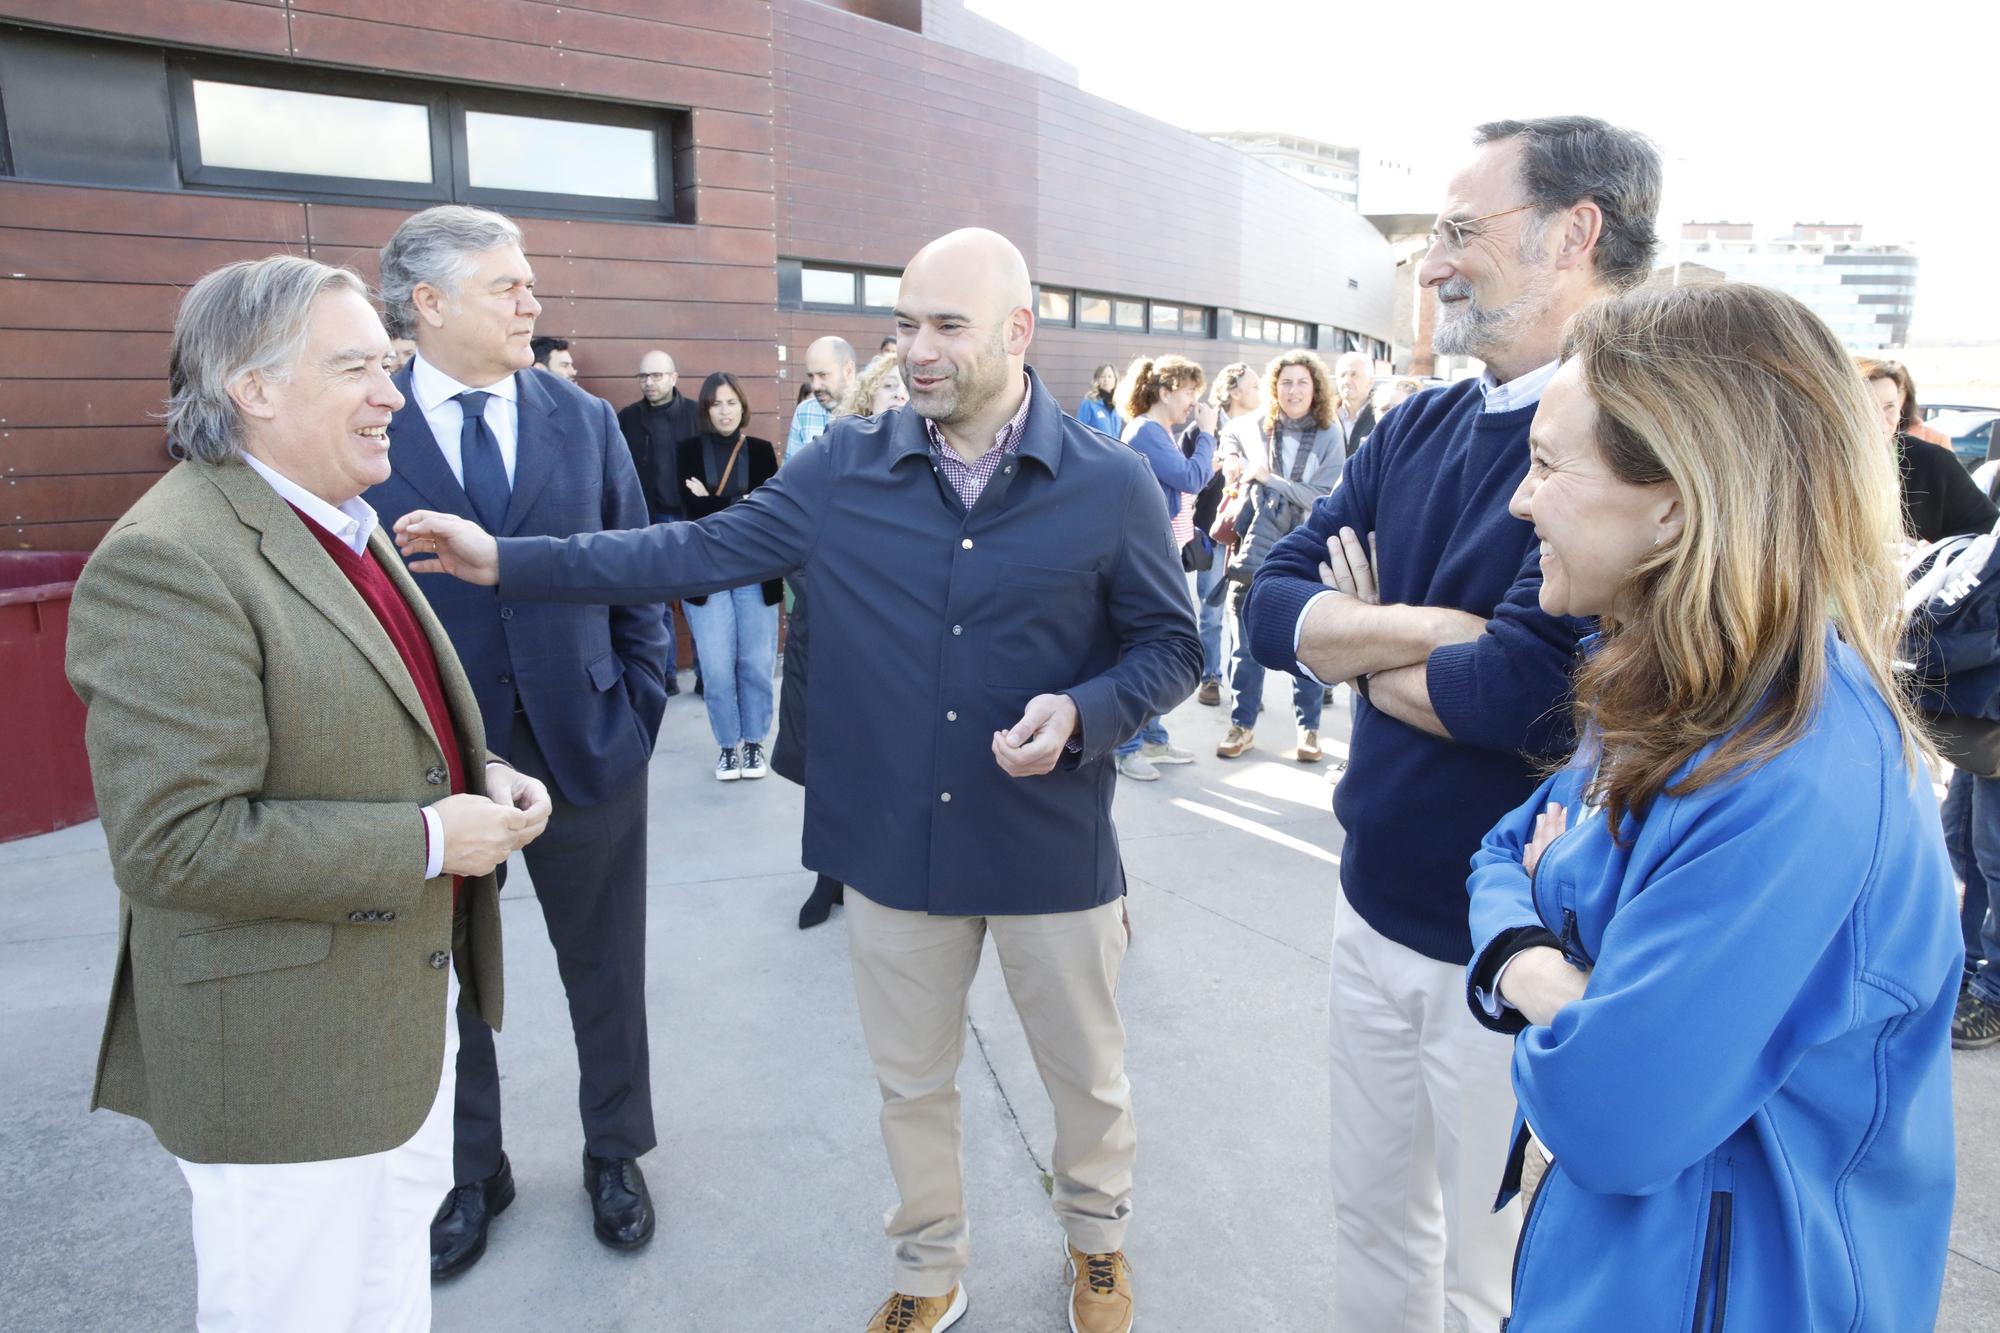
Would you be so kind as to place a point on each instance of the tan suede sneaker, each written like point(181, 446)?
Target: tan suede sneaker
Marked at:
point(1308, 751)
point(919, 1314)
point(1100, 1296)
point(1235, 743)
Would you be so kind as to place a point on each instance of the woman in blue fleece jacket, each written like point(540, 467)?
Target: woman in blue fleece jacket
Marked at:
point(1734, 1011)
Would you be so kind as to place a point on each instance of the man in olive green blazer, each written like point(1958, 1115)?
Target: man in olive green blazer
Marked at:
point(293, 780)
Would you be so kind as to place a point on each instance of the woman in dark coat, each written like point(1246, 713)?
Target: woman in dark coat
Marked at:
point(736, 631)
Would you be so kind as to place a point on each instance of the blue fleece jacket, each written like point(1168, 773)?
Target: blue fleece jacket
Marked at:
point(1093, 413)
point(1750, 1107)
point(1432, 483)
point(1176, 472)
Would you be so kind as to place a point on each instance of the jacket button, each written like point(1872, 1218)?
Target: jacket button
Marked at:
point(506, 613)
point(506, 678)
point(957, 629)
point(386, 916)
point(435, 776)
point(357, 917)
point(439, 959)
point(945, 797)
point(966, 544)
point(951, 715)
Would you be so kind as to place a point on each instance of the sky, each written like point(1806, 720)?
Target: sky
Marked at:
point(1886, 115)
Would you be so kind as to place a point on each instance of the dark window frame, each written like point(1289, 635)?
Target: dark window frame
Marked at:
point(6, 145)
point(1069, 294)
point(450, 169)
point(791, 293)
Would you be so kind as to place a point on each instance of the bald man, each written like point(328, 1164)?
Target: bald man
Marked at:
point(997, 602)
point(1354, 377)
point(829, 374)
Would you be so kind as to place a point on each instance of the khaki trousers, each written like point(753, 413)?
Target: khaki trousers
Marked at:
point(1422, 1110)
point(912, 972)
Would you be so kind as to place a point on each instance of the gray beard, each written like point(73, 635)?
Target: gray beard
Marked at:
point(1477, 331)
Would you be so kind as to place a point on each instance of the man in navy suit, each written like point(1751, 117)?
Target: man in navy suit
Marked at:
point(571, 695)
point(997, 603)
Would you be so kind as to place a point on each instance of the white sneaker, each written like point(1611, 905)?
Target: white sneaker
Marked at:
point(1137, 767)
point(1165, 753)
point(726, 769)
point(753, 760)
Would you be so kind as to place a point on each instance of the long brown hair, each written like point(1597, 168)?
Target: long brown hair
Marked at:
point(1744, 400)
point(1325, 400)
point(1872, 369)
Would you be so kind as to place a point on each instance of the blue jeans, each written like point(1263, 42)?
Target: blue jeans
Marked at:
point(1154, 732)
point(1246, 678)
point(1210, 617)
point(1972, 838)
point(737, 637)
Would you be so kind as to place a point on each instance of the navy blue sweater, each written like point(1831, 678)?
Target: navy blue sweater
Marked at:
point(1432, 483)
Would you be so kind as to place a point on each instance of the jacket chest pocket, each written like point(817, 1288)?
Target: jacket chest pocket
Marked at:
point(1041, 623)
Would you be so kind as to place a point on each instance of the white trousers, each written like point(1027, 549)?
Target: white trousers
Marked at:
point(326, 1247)
point(1422, 1106)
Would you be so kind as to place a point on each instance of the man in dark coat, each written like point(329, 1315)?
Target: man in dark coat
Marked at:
point(998, 603)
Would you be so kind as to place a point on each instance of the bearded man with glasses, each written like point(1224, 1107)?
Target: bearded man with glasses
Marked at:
point(1414, 584)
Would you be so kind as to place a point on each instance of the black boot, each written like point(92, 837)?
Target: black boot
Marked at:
point(819, 905)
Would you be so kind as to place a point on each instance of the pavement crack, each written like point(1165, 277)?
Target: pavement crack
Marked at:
point(1976, 1263)
point(1007, 1103)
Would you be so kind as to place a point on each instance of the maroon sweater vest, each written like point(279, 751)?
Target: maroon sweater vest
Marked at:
point(400, 624)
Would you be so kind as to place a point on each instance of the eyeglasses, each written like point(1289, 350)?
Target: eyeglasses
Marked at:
point(1454, 235)
point(658, 375)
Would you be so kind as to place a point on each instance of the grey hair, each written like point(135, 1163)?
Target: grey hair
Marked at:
point(252, 315)
point(1567, 159)
point(436, 246)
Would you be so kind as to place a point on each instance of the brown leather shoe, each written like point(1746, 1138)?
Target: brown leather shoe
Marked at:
point(1210, 693)
point(1235, 743)
point(919, 1314)
point(1100, 1297)
point(1308, 751)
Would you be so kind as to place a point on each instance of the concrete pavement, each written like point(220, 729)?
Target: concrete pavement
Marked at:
point(770, 1177)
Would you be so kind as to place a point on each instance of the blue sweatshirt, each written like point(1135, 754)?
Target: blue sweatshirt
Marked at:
point(1093, 413)
point(1432, 483)
point(1750, 1107)
point(1176, 472)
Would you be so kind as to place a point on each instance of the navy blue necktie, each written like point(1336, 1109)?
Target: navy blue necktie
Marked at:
point(479, 458)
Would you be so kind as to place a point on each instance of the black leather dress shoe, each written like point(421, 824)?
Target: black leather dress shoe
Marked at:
point(620, 1206)
point(458, 1232)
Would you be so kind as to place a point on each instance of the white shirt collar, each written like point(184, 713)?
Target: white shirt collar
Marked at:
point(1521, 391)
point(433, 387)
point(352, 523)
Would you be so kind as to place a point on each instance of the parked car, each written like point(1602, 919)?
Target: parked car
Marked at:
point(1970, 431)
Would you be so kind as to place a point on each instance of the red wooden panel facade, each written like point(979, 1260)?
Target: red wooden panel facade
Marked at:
point(830, 133)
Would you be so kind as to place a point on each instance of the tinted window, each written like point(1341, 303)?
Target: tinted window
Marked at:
point(559, 157)
point(311, 134)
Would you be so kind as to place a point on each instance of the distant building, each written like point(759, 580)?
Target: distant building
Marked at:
point(1865, 293)
point(1331, 169)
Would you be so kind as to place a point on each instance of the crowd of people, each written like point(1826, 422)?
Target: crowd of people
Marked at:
point(1642, 867)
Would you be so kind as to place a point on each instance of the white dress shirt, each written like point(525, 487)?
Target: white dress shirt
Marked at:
point(352, 524)
point(437, 398)
point(1521, 391)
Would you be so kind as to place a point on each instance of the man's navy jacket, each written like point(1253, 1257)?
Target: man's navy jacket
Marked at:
point(592, 681)
point(932, 627)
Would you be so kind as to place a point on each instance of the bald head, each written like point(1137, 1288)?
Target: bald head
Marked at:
point(981, 269)
point(658, 376)
point(964, 319)
point(1354, 377)
point(830, 369)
